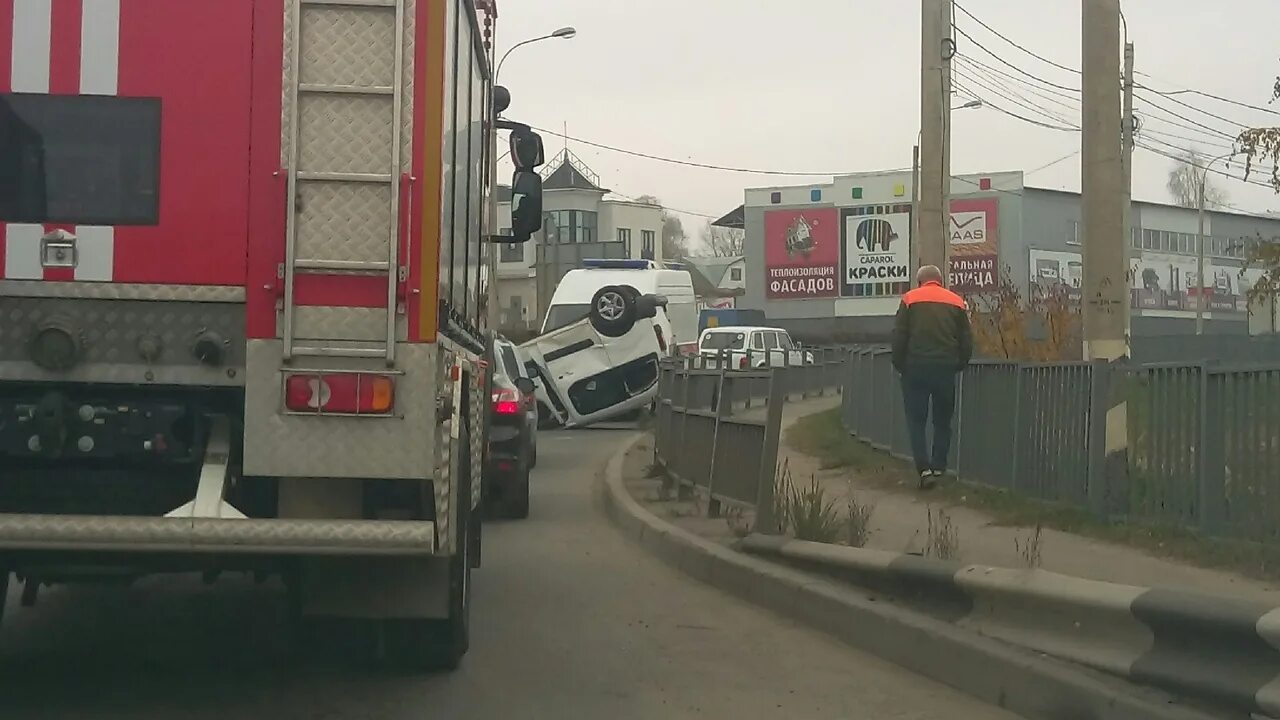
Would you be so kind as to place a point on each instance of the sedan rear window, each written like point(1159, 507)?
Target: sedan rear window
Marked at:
point(724, 341)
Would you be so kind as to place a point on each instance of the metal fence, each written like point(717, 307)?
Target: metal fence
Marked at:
point(717, 429)
point(1203, 450)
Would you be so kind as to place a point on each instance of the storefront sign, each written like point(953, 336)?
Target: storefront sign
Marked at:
point(801, 252)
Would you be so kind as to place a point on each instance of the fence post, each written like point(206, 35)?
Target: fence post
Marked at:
point(1210, 470)
point(1017, 426)
point(766, 523)
point(1100, 380)
point(723, 400)
point(682, 490)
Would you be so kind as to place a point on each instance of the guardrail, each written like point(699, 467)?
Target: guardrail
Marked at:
point(1214, 649)
point(1204, 439)
point(716, 429)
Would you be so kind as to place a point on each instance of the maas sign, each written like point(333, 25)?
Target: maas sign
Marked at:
point(969, 228)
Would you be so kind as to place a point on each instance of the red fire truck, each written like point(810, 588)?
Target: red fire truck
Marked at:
point(241, 317)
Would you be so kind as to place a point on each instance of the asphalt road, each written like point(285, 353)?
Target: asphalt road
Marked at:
point(570, 621)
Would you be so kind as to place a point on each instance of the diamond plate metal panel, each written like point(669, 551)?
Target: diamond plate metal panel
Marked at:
point(345, 323)
point(110, 329)
point(303, 537)
point(344, 221)
point(298, 446)
point(406, 119)
point(345, 133)
point(348, 45)
point(121, 291)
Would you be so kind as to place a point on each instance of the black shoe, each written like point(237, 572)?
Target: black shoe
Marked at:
point(927, 481)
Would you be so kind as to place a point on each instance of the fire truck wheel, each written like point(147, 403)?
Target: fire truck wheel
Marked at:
point(613, 311)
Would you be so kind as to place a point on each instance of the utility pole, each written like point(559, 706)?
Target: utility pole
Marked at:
point(1127, 132)
point(1106, 270)
point(915, 208)
point(1106, 286)
point(936, 49)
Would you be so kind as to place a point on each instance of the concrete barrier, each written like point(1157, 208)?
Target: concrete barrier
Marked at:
point(924, 638)
point(1215, 649)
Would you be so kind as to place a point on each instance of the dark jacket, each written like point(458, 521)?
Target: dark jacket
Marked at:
point(932, 328)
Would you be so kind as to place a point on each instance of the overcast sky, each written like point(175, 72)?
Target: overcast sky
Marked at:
point(833, 86)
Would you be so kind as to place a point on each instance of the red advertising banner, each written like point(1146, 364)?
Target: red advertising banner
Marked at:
point(801, 252)
point(975, 245)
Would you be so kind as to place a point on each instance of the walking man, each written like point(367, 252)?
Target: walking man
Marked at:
point(932, 342)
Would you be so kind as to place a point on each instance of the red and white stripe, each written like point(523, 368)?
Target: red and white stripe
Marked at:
point(62, 47)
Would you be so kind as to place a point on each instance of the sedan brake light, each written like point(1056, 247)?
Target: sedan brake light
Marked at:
point(506, 402)
point(354, 393)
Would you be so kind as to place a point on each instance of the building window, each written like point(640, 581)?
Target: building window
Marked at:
point(624, 237)
point(79, 159)
point(735, 274)
point(1150, 239)
point(573, 226)
point(647, 242)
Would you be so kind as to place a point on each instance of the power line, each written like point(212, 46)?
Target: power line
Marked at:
point(1073, 97)
point(1023, 118)
point(1172, 113)
point(1211, 96)
point(1188, 105)
point(1019, 70)
point(1016, 98)
point(687, 163)
point(1048, 165)
point(1188, 161)
point(1004, 37)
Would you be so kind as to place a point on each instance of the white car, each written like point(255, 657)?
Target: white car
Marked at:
point(604, 365)
point(750, 347)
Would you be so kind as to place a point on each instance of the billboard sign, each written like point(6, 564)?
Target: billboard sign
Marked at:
point(975, 245)
point(877, 250)
point(801, 252)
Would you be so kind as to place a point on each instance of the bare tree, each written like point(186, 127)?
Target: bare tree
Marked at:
point(675, 241)
point(1184, 182)
point(722, 242)
point(1263, 145)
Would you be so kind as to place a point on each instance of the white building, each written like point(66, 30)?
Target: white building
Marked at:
point(581, 220)
point(724, 279)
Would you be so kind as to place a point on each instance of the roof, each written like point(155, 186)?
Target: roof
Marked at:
point(735, 218)
point(568, 172)
point(714, 268)
point(704, 287)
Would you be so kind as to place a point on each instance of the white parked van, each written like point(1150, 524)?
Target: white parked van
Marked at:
point(750, 347)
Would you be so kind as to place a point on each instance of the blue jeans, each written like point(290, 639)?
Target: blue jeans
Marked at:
point(924, 387)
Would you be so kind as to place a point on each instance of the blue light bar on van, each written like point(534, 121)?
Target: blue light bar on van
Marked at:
point(605, 264)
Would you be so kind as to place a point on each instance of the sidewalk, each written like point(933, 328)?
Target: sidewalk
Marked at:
point(899, 524)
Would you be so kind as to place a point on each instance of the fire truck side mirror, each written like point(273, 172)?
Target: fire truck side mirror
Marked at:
point(526, 149)
point(526, 205)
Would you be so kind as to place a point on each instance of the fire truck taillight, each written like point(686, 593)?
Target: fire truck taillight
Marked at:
point(347, 393)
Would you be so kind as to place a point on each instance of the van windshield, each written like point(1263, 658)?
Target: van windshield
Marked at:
point(560, 315)
point(724, 341)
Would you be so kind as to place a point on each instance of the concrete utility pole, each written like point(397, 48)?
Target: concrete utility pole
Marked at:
point(1106, 269)
point(1106, 285)
point(1127, 132)
point(936, 49)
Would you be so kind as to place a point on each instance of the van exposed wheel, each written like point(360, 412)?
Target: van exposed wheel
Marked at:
point(613, 310)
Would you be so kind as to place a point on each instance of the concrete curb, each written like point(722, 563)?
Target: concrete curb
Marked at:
point(1026, 683)
point(1216, 649)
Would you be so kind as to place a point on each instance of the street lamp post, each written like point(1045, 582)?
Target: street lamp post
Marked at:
point(491, 295)
point(1200, 192)
point(915, 198)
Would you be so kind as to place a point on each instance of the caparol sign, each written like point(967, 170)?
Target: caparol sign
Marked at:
point(877, 250)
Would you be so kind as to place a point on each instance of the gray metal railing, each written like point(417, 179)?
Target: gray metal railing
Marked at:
point(1203, 450)
point(716, 429)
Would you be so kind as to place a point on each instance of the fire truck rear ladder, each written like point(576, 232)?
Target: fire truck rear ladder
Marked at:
point(338, 25)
